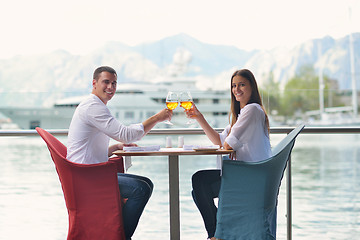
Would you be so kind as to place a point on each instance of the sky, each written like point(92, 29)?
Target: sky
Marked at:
point(80, 26)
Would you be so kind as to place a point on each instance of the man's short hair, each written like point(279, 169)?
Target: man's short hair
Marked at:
point(103, 69)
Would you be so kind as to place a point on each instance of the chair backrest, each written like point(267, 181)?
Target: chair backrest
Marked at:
point(53, 143)
point(91, 194)
point(248, 194)
point(290, 137)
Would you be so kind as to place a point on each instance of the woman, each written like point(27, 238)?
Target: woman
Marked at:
point(247, 134)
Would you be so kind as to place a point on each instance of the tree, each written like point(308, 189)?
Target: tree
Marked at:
point(301, 93)
point(270, 94)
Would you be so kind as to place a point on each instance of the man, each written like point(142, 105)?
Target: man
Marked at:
point(90, 131)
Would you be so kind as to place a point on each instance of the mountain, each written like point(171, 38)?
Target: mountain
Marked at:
point(332, 54)
point(41, 79)
point(208, 60)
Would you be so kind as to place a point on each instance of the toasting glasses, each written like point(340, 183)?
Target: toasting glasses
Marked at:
point(172, 101)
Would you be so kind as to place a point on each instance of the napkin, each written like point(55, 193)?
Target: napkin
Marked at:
point(128, 163)
point(153, 148)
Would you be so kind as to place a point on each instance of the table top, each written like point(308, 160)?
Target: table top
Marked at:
point(173, 151)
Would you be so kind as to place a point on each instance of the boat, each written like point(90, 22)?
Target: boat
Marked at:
point(336, 116)
point(333, 117)
point(132, 103)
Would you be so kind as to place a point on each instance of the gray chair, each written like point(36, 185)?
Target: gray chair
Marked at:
point(248, 194)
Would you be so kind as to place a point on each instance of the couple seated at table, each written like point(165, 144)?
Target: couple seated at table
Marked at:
point(93, 125)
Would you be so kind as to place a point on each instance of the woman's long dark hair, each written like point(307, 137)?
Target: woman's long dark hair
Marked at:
point(255, 97)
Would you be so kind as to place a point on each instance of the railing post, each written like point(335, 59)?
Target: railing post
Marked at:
point(288, 200)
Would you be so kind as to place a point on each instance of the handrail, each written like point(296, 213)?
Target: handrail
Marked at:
point(191, 131)
point(30, 132)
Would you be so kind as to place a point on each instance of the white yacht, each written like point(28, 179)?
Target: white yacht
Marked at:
point(132, 103)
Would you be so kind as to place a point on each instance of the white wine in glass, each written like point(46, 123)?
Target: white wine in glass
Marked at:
point(172, 101)
point(186, 102)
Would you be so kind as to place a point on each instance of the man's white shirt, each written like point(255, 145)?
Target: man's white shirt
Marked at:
point(90, 131)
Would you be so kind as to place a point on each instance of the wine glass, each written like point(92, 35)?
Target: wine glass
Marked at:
point(172, 101)
point(186, 102)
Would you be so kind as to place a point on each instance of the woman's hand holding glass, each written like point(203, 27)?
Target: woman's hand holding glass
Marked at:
point(186, 102)
point(193, 112)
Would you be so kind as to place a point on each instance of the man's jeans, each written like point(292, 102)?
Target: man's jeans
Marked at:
point(137, 189)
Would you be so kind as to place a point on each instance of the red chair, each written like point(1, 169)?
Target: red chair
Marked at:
point(91, 193)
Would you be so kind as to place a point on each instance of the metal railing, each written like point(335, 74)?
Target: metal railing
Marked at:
point(195, 131)
point(198, 131)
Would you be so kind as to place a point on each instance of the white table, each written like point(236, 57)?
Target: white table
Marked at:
point(173, 162)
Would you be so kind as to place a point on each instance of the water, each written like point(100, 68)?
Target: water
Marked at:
point(326, 190)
